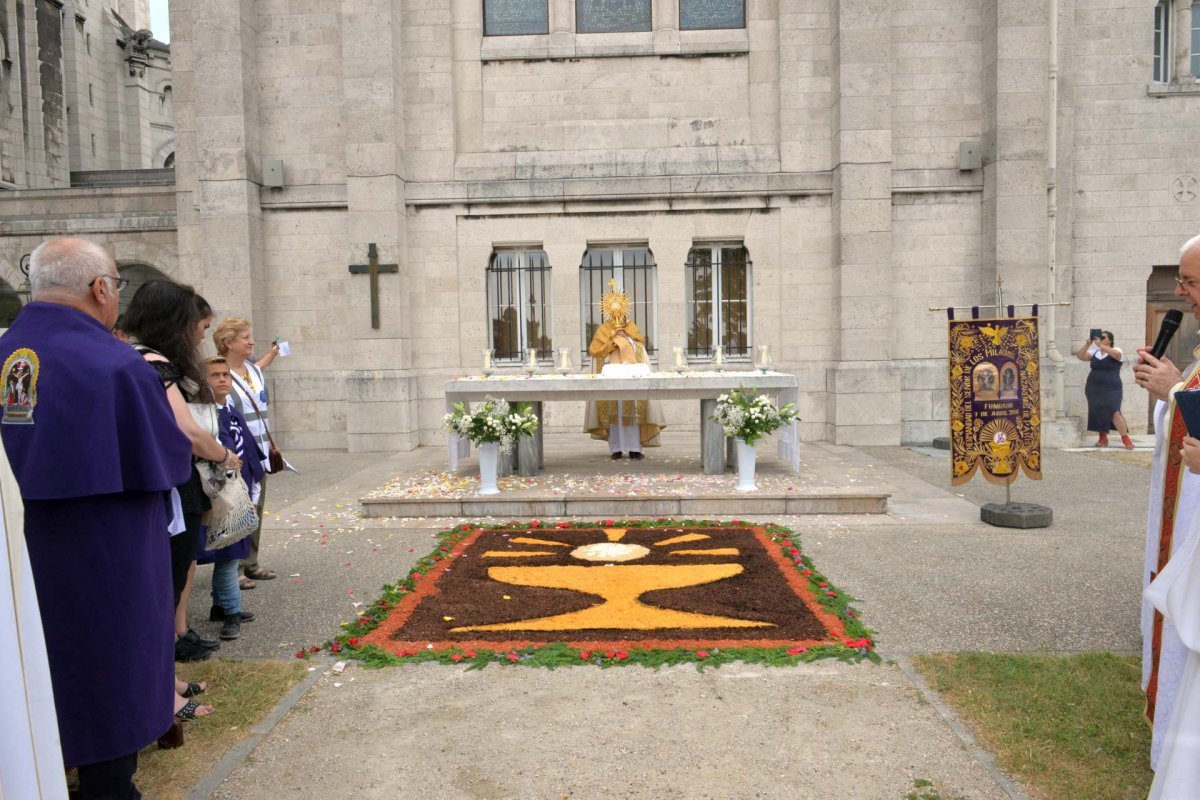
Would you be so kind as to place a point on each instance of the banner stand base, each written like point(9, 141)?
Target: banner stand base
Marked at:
point(1016, 515)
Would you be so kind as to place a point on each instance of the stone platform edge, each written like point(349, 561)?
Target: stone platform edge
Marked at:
point(590, 506)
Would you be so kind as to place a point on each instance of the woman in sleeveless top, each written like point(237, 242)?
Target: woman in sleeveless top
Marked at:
point(166, 322)
point(1103, 389)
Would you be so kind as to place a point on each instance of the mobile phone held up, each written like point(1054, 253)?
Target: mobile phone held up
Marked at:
point(1095, 333)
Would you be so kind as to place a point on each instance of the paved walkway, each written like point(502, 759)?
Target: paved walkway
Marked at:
point(930, 576)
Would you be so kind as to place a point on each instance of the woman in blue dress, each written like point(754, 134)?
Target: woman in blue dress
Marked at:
point(1103, 388)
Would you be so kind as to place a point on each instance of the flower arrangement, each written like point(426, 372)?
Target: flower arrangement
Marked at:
point(751, 417)
point(494, 421)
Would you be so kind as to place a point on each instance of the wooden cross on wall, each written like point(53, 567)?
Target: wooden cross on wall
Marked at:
point(374, 269)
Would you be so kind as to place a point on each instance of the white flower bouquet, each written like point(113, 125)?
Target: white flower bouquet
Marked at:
point(751, 416)
point(494, 421)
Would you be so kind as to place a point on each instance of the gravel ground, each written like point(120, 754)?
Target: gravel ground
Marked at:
point(930, 578)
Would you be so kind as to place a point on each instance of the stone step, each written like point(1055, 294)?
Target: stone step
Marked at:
point(731, 505)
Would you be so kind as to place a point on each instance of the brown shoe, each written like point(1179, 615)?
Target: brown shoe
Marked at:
point(172, 738)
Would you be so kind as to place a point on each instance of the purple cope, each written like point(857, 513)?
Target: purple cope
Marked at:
point(95, 449)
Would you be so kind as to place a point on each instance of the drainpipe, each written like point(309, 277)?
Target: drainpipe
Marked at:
point(1058, 399)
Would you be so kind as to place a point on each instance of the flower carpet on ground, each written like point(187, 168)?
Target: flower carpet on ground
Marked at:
point(608, 593)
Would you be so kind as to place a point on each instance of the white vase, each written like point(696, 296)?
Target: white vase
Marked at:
point(746, 454)
point(489, 460)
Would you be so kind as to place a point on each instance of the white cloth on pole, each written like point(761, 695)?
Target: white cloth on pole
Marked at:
point(624, 438)
point(1176, 593)
point(1173, 654)
point(31, 765)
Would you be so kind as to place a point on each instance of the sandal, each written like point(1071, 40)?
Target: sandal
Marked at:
point(189, 711)
point(194, 689)
point(246, 583)
point(261, 574)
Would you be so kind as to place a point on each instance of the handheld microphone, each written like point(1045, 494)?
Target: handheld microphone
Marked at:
point(1170, 324)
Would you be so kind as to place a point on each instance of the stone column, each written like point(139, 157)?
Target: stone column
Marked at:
point(381, 412)
point(218, 154)
point(864, 385)
point(1014, 149)
point(1014, 207)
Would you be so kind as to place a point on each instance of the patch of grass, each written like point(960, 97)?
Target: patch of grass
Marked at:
point(241, 692)
point(926, 790)
point(1067, 727)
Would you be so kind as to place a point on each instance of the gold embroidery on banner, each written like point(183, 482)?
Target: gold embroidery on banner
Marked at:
point(995, 397)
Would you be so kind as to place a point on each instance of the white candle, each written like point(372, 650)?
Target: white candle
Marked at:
point(533, 359)
point(565, 359)
point(764, 357)
point(487, 360)
point(679, 357)
point(719, 357)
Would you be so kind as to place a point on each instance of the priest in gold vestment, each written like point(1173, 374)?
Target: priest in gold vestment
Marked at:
point(627, 425)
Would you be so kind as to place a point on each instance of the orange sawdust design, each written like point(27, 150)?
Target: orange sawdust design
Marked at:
point(620, 587)
point(517, 553)
point(543, 542)
point(716, 551)
point(687, 537)
point(615, 534)
point(390, 633)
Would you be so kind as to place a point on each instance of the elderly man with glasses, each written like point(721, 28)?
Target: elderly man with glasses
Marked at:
point(96, 515)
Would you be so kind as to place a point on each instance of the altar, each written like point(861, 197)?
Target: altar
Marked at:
point(705, 387)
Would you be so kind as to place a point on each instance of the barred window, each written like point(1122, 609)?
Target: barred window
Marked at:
point(635, 272)
point(518, 305)
point(718, 300)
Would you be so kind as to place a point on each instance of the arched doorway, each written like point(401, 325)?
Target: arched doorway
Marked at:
point(137, 274)
point(10, 304)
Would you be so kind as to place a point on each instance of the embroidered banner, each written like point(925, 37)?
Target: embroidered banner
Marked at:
point(995, 399)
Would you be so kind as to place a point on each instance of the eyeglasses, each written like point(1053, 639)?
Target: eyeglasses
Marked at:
point(121, 283)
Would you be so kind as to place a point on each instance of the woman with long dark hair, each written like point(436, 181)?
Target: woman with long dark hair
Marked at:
point(166, 322)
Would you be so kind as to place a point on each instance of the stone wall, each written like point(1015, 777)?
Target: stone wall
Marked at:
point(825, 135)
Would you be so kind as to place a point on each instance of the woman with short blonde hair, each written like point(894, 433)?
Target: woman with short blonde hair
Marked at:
point(234, 339)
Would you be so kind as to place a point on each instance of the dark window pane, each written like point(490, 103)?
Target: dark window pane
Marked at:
point(518, 304)
point(515, 17)
point(735, 311)
point(695, 15)
point(700, 302)
point(611, 16)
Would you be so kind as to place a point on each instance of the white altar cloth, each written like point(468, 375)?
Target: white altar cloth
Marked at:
point(703, 386)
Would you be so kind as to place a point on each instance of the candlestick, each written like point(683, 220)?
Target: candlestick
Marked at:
point(564, 360)
point(679, 362)
point(487, 361)
point(719, 357)
point(764, 358)
point(531, 366)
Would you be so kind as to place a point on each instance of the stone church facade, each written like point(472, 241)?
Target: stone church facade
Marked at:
point(808, 175)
